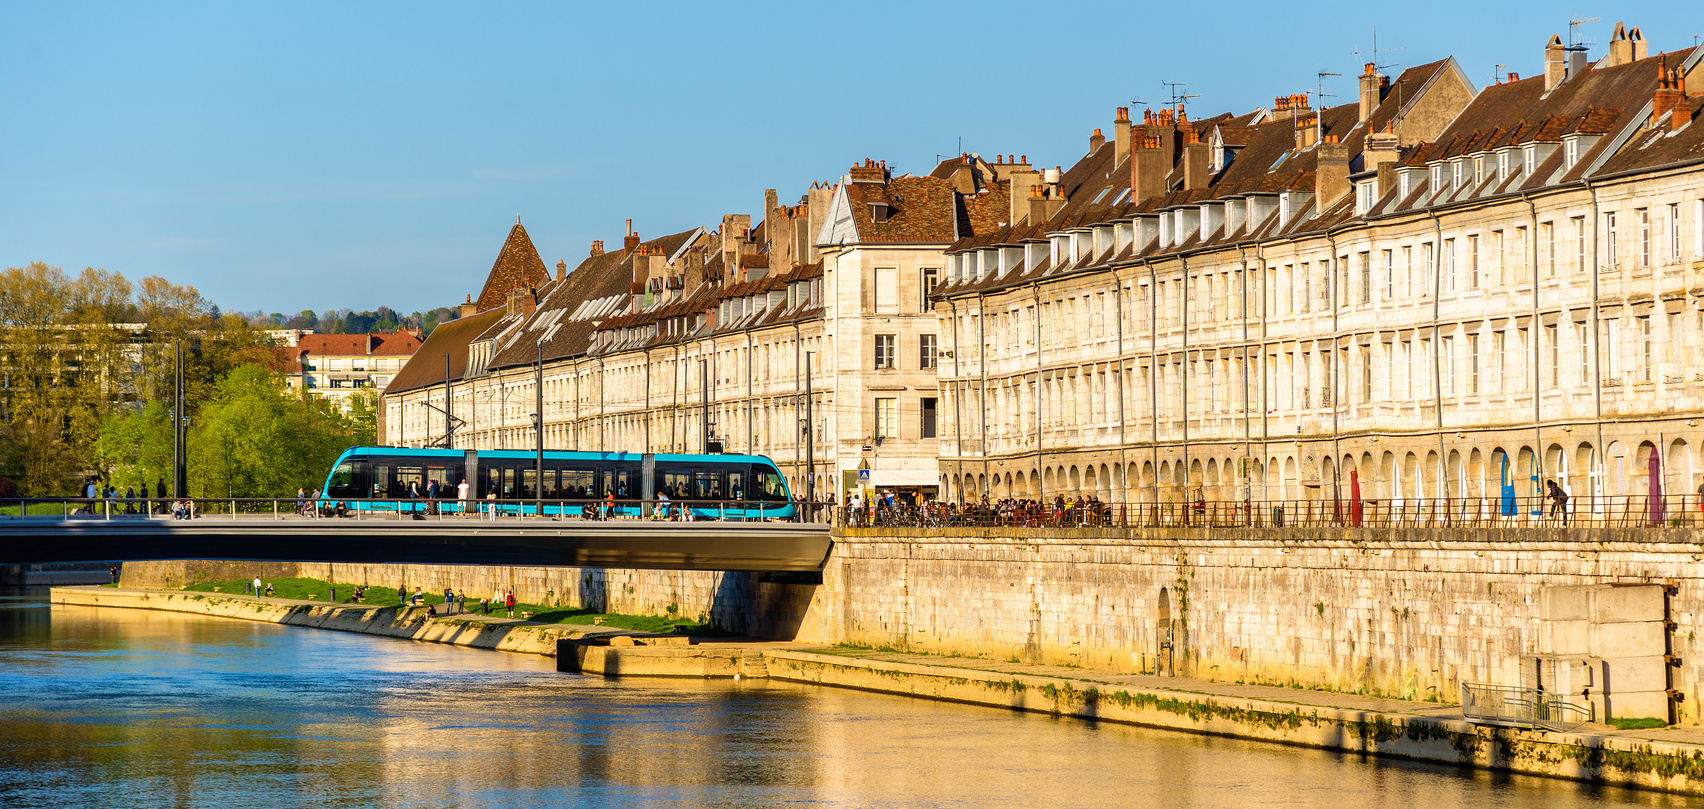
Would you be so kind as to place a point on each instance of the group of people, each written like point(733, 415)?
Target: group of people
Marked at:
point(133, 502)
point(455, 601)
point(886, 509)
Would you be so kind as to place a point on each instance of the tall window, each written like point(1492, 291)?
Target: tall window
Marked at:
point(1473, 262)
point(926, 352)
point(1366, 259)
point(1674, 231)
point(1553, 368)
point(1428, 267)
point(1473, 365)
point(1609, 239)
point(1547, 232)
point(887, 290)
point(931, 279)
point(926, 427)
point(1389, 275)
point(1645, 352)
point(1644, 220)
point(1446, 347)
point(1366, 373)
point(886, 351)
point(1580, 244)
point(887, 418)
point(1407, 272)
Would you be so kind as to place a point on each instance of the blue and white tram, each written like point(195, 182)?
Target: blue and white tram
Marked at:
point(739, 487)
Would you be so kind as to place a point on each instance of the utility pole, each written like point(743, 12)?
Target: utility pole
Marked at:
point(810, 435)
point(538, 430)
point(449, 426)
point(704, 379)
point(177, 421)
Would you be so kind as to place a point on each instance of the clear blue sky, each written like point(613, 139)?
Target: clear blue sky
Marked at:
point(315, 155)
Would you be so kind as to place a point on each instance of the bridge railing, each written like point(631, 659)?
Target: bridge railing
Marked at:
point(292, 508)
point(1486, 704)
point(1641, 511)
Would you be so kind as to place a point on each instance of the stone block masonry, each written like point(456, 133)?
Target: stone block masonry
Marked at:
point(1405, 613)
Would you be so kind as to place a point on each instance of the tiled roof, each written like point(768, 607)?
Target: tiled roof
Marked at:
point(452, 338)
point(517, 267)
point(397, 344)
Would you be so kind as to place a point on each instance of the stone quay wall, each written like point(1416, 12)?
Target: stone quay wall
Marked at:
point(1410, 613)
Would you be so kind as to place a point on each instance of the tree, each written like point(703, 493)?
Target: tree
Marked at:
point(364, 417)
point(253, 439)
point(36, 459)
point(135, 446)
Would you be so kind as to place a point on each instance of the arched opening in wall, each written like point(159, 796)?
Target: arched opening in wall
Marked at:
point(1640, 478)
point(1527, 485)
point(1476, 475)
point(1149, 493)
point(1411, 482)
point(1557, 468)
point(1587, 480)
point(1390, 479)
point(1179, 480)
point(1165, 488)
point(1163, 635)
point(1432, 473)
point(1288, 490)
point(981, 485)
point(1034, 483)
point(1106, 483)
point(1677, 476)
point(1615, 475)
point(1074, 483)
point(1455, 476)
point(1047, 481)
point(1331, 487)
point(1135, 482)
point(1193, 486)
point(1211, 481)
point(1274, 479)
point(1091, 480)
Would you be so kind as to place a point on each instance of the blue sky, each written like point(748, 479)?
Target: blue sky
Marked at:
point(312, 155)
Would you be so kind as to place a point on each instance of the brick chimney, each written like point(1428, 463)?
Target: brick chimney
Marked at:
point(1148, 168)
point(1331, 177)
point(1096, 141)
point(632, 239)
point(1024, 180)
point(1195, 171)
point(1121, 135)
point(1670, 97)
point(1381, 153)
point(561, 270)
point(469, 308)
point(964, 175)
point(1555, 62)
point(597, 247)
point(1372, 90)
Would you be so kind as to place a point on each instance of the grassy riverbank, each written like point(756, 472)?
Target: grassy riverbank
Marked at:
point(306, 589)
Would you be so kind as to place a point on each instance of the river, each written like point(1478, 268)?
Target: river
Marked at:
point(130, 708)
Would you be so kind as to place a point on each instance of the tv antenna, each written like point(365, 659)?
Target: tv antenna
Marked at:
point(1322, 95)
point(1577, 40)
point(1497, 73)
point(1178, 100)
point(1376, 50)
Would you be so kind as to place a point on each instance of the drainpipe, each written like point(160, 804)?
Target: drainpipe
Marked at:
point(1437, 314)
point(982, 366)
point(1123, 442)
point(1040, 479)
point(958, 419)
point(1248, 425)
point(1154, 370)
point(1537, 425)
point(1183, 331)
point(1333, 286)
point(1601, 450)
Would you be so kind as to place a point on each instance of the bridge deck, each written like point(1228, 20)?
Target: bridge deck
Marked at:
point(753, 546)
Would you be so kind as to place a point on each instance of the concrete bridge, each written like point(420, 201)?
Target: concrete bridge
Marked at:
point(749, 546)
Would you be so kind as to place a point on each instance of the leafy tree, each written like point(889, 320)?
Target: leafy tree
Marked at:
point(36, 460)
point(135, 446)
point(364, 417)
point(253, 439)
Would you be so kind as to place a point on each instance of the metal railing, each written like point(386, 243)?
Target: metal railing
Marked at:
point(1643, 511)
point(292, 508)
point(1523, 707)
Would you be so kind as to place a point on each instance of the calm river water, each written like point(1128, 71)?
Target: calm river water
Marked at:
point(126, 708)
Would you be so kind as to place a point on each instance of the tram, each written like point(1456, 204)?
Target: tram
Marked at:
point(735, 487)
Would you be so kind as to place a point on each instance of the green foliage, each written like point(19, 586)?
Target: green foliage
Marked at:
point(363, 417)
point(1638, 723)
point(135, 446)
point(253, 439)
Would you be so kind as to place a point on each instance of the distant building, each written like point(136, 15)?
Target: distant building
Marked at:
point(337, 365)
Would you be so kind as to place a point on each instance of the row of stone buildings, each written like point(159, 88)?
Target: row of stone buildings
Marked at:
point(1436, 291)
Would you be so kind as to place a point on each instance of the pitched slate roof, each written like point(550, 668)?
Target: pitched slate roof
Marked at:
point(426, 368)
point(517, 267)
point(386, 344)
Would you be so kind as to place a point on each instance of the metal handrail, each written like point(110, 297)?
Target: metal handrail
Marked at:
point(1624, 511)
point(289, 508)
point(1488, 704)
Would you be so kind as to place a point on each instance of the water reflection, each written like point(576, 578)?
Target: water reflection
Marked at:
point(133, 708)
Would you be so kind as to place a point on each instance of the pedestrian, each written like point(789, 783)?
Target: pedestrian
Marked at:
point(461, 601)
point(461, 495)
point(160, 492)
point(449, 601)
point(113, 571)
point(401, 594)
point(485, 606)
point(509, 601)
point(1558, 501)
point(257, 585)
point(418, 596)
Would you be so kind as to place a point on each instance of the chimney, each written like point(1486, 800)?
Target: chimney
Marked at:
point(1306, 129)
point(1096, 141)
point(632, 239)
point(1121, 136)
point(1195, 171)
point(529, 301)
point(1381, 153)
point(1625, 47)
point(964, 175)
point(561, 270)
point(597, 247)
point(1148, 168)
point(1372, 90)
point(469, 308)
point(1555, 62)
point(372, 343)
point(1024, 179)
point(1670, 97)
point(1331, 178)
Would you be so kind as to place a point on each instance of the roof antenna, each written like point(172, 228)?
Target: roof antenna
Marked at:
point(1376, 50)
point(1178, 100)
point(1319, 117)
point(1577, 40)
point(1497, 73)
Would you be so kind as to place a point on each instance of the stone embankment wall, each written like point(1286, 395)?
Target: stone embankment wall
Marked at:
point(739, 602)
point(1407, 613)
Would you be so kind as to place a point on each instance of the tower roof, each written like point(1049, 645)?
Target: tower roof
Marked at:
point(517, 267)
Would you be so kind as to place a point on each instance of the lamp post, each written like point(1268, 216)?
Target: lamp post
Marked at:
point(538, 430)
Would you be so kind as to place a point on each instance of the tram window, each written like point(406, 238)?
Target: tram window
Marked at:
point(343, 480)
point(406, 475)
point(578, 483)
point(382, 478)
point(707, 485)
point(529, 483)
point(676, 483)
point(736, 486)
point(446, 477)
point(619, 482)
point(770, 486)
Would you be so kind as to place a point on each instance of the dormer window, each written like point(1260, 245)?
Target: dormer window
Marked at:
point(1478, 171)
point(880, 212)
point(1570, 151)
point(1283, 208)
point(1529, 160)
point(1366, 193)
point(1502, 166)
point(1403, 182)
point(1455, 174)
point(1437, 178)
